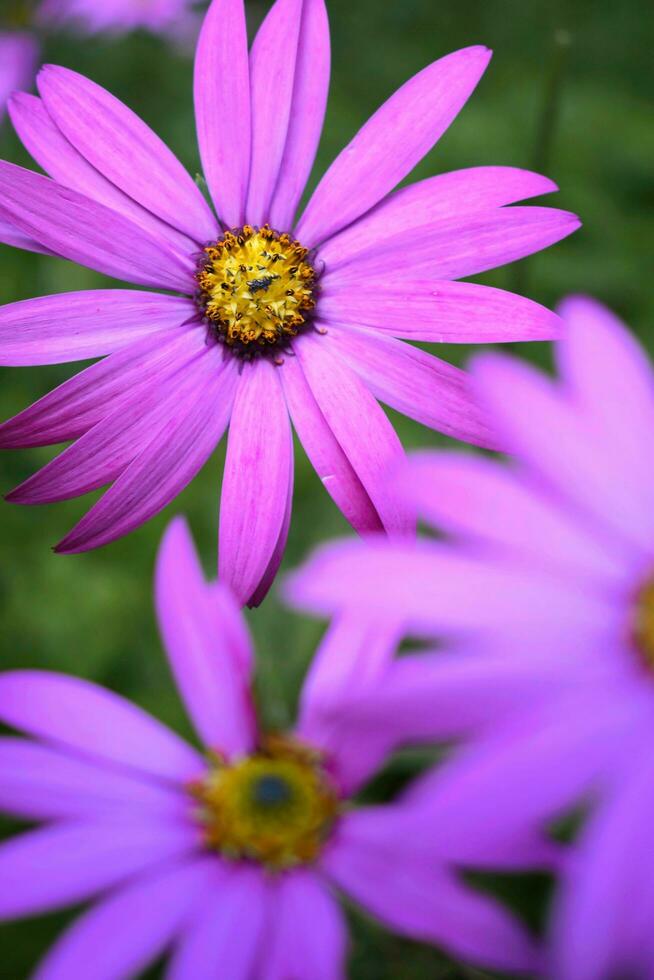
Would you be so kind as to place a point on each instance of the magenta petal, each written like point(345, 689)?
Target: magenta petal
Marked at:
point(77, 326)
point(449, 195)
point(224, 935)
point(391, 143)
point(126, 932)
point(256, 479)
point(325, 453)
point(94, 722)
point(222, 107)
point(44, 783)
point(178, 450)
point(80, 229)
point(120, 145)
point(308, 933)
point(363, 432)
point(87, 398)
point(272, 74)
point(424, 900)
point(415, 383)
point(9, 235)
point(308, 106)
point(209, 677)
point(437, 311)
point(270, 574)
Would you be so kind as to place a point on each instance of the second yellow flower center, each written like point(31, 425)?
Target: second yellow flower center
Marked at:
point(256, 288)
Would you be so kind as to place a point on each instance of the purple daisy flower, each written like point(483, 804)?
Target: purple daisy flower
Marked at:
point(276, 321)
point(232, 859)
point(548, 579)
point(117, 16)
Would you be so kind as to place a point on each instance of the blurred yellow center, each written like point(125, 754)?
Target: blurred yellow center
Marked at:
point(644, 623)
point(256, 288)
point(275, 807)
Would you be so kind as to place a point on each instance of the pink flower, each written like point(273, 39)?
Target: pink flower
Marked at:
point(18, 60)
point(299, 325)
point(232, 858)
point(117, 16)
point(545, 597)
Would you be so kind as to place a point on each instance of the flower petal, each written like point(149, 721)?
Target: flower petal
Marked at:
point(49, 147)
point(415, 383)
point(275, 561)
point(77, 326)
point(78, 228)
point(391, 143)
point(272, 74)
point(169, 461)
point(363, 432)
point(126, 932)
point(80, 403)
point(120, 145)
point(224, 935)
point(255, 482)
point(95, 723)
point(42, 783)
point(211, 682)
point(437, 311)
point(449, 195)
point(307, 113)
point(308, 933)
point(9, 235)
point(222, 108)
point(325, 453)
point(77, 860)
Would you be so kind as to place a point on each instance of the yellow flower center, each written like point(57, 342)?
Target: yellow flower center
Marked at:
point(256, 289)
point(276, 806)
point(643, 630)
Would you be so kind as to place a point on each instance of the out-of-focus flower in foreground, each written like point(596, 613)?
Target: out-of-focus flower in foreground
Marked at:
point(275, 320)
point(233, 858)
point(549, 573)
point(117, 16)
point(19, 52)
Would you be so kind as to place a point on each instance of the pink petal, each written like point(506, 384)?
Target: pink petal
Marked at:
point(120, 145)
point(437, 311)
point(168, 463)
point(222, 107)
point(391, 143)
point(325, 453)
point(454, 248)
point(124, 933)
point(78, 228)
point(270, 574)
point(362, 430)
point(415, 383)
point(307, 113)
point(42, 783)
point(76, 326)
point(225, 933)
point(77, 860)
point(83, 401)
point(308, 932)
point(48, 146)
point(424, 900)
point(272, 75)
point(256, 479)
point(9, 235)
point(95, 723)
point(209, 678)
point(449, 195)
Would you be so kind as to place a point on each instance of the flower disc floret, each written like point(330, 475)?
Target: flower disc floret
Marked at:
point(256, 288)
point(276, 806)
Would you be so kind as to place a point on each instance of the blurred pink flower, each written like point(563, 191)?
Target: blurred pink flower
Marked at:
point(544, 596)
point(298, 324)
point(19, 54)
point(117, 16)
point(232, 858)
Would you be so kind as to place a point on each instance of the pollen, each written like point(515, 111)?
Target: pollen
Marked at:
point(643, 629)
point(275, 807)
point(256, 289)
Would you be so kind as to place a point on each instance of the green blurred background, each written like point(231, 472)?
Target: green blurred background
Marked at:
point(569, 92)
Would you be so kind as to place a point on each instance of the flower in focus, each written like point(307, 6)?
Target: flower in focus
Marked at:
point(549, 576)
point(267, 321)
point(117, 16)
point(232, 859)
point(19, 54)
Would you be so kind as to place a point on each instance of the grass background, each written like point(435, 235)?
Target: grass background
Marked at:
point(92, 614)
